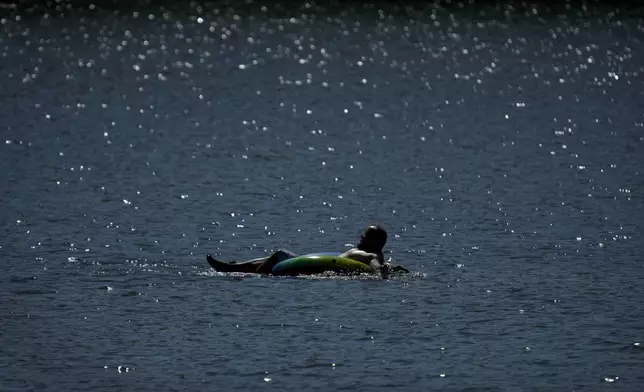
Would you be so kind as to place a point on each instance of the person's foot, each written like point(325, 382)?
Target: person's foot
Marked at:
point(220, 266)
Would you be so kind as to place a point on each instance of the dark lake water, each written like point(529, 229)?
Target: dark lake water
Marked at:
point(501, 145)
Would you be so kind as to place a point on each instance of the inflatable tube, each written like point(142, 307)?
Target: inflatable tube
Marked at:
point(317, 263)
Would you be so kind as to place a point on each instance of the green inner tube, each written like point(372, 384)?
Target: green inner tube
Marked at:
point(317, 264)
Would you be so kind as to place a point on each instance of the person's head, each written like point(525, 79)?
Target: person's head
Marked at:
point(373, 239)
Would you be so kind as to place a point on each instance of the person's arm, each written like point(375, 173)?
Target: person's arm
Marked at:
point(371, 259)
point(381, 266)
point(375, 263)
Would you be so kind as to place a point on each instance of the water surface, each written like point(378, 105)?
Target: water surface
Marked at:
point(500, 145)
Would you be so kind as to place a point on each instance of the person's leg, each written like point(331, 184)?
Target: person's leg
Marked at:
point(249, 266)
point(267, 266)
point(262, 265)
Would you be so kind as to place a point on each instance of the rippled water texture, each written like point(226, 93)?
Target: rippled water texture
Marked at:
point(502, 147)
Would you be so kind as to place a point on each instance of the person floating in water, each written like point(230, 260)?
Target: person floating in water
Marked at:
point(368, 251)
